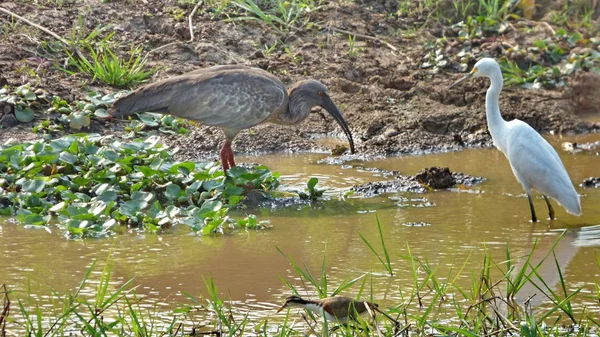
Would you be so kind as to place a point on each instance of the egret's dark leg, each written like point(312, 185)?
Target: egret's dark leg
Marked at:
point(533, 217)
point(226, 155)
point(550, 209)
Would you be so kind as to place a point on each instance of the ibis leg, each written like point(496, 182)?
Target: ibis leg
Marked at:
point(227, 155)
point(550, 209)
point(230, 160)
point(533, 217)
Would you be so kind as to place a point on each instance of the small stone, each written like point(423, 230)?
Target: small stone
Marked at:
point(339, 150)
point(8, 121)
point(391, 132)
point(591, 182)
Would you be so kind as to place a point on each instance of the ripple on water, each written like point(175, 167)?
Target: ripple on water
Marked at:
point(247, 267)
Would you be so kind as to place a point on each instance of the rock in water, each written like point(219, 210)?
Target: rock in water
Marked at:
point(436, 177)
point(591, 182)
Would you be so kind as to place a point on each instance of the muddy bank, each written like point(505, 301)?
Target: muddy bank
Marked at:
point(392, 105)
point(433, 178)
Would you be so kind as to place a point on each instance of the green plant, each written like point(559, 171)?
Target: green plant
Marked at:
point(282, 15)
point(268, 50)
point(352, 50)
point(387, 264)
point(311, 192)
point(95, 184)
point(107, 67)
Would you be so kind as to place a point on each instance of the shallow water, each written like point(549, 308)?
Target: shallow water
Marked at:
point(247, 267)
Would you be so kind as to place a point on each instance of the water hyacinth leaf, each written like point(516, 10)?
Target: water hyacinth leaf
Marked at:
point(34, 185)
point(108, 196)
point(29, 95)
point(62, 143)
point(148, 119)
point(172, 191)
point(145, 170)
point(312, 182)
point(81, 181)
point(210, 185)
point(140, 195)
point(193, 187)
point(58, 207)
point(31, 219)
point(79, 120)
point(233, 190)
point(67, 157)
point(131, 207)
point(101, 113)
point(110, 224)
point(77, 209)
point(192, 222)
point(210, 207)
point(99, 189)
point(236, 171)
point(183, 168)
point(97, 207)
point(24, 115)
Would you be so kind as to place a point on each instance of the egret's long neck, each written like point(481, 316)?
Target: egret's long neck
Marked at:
point(495, 122)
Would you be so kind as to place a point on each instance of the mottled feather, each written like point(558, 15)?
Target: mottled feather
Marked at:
point(231, 97)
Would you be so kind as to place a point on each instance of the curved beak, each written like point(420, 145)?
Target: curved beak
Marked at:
point(335, 112)
point(466, 77)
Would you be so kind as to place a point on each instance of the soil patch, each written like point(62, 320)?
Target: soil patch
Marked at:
point(392, 105)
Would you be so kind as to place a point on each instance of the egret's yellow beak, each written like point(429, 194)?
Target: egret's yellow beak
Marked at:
point(469, 75)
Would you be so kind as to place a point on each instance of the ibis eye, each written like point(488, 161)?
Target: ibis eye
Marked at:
point(321, 93)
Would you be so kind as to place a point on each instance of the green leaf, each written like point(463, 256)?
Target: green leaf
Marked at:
point(210, 207)
point(67, 157)
point(312, 182)
point(107, 196)
point(172, 191)
point(34, 185)
point(24, 116)
point(140, 195)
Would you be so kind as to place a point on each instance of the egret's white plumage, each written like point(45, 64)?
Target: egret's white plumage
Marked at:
point(534, 162)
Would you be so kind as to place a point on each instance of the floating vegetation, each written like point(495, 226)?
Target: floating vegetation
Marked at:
point(311, 192)
point(93, 186)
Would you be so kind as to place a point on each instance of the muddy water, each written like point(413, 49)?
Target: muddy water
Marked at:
point(246, 266)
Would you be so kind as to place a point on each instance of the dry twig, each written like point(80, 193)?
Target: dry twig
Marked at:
point(45, 30)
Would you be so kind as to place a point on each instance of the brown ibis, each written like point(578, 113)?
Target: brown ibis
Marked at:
point(233, 98)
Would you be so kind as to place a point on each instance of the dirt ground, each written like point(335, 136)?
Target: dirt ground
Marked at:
point(392, 105)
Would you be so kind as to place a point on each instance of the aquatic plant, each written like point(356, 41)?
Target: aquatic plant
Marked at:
point(311, 192)
point(91, 185)
point(481, 308)
point(57, 115)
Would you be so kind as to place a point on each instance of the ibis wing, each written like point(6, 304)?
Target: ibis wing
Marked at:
point(234, 99)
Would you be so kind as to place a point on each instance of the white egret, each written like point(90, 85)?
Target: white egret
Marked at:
point(533, 160)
